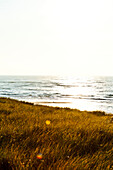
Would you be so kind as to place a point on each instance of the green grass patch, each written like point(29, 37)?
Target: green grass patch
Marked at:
point(73, 140)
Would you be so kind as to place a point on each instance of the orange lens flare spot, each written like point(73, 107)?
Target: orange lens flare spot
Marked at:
point(39, 156)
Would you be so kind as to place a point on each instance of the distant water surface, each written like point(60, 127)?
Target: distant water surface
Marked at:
point(91, 93)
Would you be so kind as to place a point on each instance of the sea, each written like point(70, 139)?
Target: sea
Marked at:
point(83, 93)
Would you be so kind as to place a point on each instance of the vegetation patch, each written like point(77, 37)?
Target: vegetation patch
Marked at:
point(5, 112)
point(42, 137)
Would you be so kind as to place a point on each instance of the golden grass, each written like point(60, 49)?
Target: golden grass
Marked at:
point(42, 137)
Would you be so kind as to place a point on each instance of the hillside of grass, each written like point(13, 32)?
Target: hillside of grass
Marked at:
point(42, 137)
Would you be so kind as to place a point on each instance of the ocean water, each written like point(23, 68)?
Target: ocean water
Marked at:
point(83, 93)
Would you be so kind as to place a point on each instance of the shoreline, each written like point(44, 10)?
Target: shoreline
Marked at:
point(56, 104)
point(53, 104)
point(69, 105)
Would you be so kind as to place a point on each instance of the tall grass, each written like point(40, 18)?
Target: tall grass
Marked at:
point(72, 140)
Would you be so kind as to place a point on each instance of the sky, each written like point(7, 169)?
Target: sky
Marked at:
point(56, 37)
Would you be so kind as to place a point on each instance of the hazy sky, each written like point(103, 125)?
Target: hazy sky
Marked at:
point(56, 37)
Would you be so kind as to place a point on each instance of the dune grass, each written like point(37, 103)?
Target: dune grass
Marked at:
point(71, 139)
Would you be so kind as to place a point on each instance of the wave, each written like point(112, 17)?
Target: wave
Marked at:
point(109, 96)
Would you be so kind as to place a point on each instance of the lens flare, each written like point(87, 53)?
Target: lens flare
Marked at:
point(39, 156)
point(48, 122)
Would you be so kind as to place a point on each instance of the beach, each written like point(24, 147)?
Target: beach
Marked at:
point(43, 137)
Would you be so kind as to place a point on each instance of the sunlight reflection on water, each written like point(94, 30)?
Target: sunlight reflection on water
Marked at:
point(75, 104)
